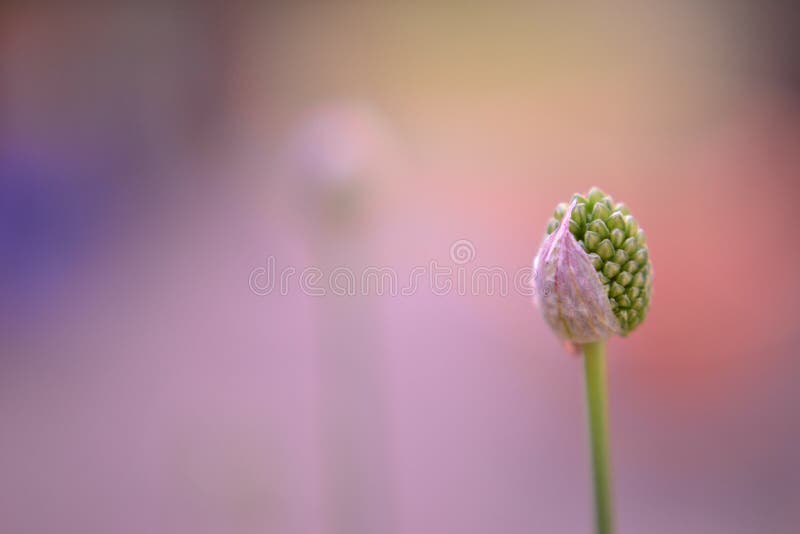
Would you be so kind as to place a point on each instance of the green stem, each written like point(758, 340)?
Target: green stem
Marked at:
point(594, 357)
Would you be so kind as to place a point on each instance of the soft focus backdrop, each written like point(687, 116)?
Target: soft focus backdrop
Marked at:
point(154, 158)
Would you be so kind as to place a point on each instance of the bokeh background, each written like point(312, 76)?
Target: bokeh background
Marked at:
point(153, 155)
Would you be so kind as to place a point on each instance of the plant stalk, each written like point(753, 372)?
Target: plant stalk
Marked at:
point(594, 357)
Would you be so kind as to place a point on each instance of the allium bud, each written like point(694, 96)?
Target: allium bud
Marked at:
point(592, 274)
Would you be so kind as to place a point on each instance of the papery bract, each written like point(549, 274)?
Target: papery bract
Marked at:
point(568, 289)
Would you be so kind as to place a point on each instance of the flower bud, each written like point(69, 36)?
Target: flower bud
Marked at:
point(592, 274)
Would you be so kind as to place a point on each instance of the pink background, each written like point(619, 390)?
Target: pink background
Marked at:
point(152, 157)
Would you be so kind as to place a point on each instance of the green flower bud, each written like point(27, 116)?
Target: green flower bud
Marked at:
point(600, 212)
point(611, 269)
point(631, 226)
point(595, 196)
point(617, 237)
point(605, 249)
point(630, 246)
point(597, 261)
point(592, 240)
point(631, 266)
point(624, 278)
point(616, 290)
point(616, 220)
point(593, 276)
point(599, 227)
point(620, 257)
point(579, 214)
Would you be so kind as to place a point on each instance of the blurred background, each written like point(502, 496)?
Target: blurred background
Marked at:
point(154, 156)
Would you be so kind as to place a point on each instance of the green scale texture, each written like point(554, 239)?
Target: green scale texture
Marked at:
point(616, 246)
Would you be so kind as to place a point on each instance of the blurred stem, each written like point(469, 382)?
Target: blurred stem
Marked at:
point(594, 357)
